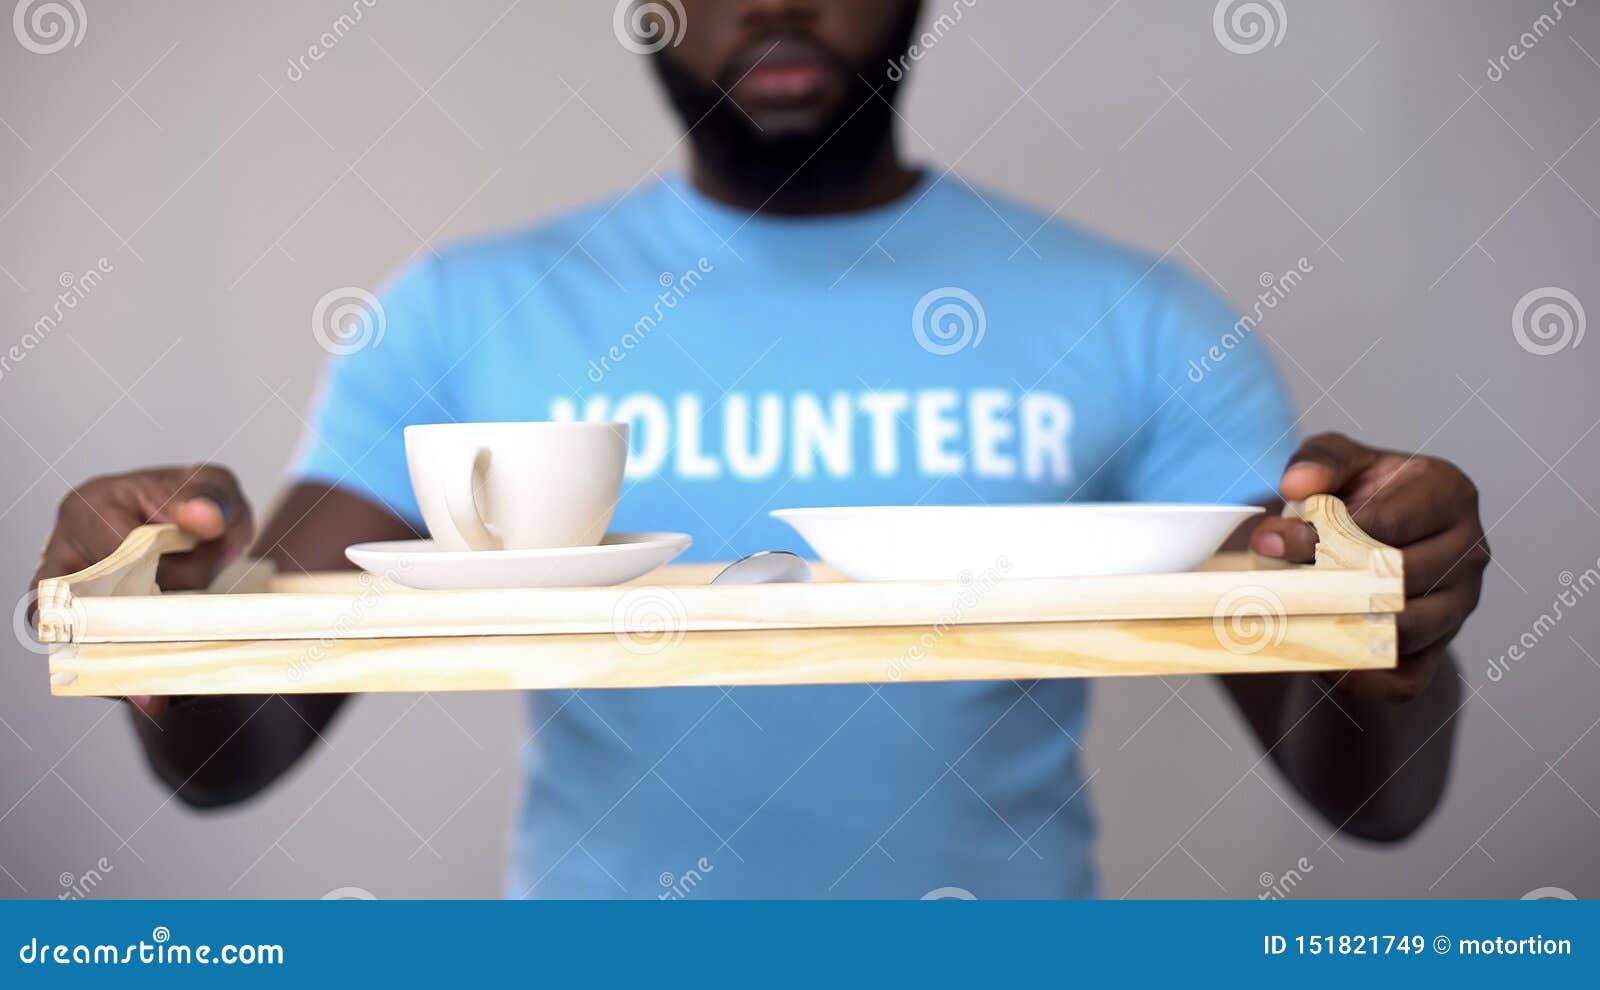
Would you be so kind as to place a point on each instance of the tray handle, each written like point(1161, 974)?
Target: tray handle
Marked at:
point(130, 569)
point(1340, 542)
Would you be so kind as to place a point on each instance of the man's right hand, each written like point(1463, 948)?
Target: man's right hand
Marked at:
point(203, 499)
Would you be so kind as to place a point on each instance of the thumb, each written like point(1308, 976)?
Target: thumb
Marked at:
point(201, 516)
point(204, 500)
point(1325, 464)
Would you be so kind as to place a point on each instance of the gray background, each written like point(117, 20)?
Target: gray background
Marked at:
point(1428, 198)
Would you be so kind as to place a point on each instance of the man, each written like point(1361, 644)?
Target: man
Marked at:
point(807, 319)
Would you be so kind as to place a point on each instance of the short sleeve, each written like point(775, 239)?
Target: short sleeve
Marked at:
point(1219, 426)
point(380, 378)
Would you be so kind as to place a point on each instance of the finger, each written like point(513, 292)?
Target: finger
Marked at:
point(192, 570)
point(1286, 539)
point(1324, 464)
point(1456, 555)
point(1436, 617)
point(93, 520)
point(1402, 500)
point(206, 500)
point(200, 516)
point(1405, 682)
point(151, 705)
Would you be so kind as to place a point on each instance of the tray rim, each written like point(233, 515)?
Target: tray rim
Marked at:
point(116, 600)
point(111, 631)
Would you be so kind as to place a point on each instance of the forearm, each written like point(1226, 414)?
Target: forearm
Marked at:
point(213, 751)
point(1372, 767)
point(218, 750)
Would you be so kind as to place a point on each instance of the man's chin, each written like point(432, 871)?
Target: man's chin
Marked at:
point(791, 123)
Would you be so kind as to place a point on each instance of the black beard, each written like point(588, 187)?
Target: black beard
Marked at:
point(786, 172)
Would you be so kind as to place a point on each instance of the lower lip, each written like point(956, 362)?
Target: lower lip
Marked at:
point(785, 82)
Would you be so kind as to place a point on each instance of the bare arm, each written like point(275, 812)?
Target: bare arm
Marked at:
point(217, 750)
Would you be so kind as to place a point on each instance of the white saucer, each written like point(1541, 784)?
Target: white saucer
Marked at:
point(421, 564)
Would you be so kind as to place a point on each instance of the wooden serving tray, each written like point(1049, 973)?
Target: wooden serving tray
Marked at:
point(111, 632)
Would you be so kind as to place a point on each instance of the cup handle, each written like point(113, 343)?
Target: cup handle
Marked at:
point(461, 499)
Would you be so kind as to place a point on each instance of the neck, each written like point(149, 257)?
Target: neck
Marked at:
point(884, 179)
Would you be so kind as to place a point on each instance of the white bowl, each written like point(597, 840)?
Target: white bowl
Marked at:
point(960, 542)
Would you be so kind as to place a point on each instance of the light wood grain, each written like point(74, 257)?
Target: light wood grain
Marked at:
point(379, 610)
point(129, 570)
point(1340, 542)
point(811, 656)
point(257, 631)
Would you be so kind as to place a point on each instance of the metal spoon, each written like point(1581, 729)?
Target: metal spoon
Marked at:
point(765, 567)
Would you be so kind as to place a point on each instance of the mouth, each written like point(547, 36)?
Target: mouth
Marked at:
point(788, 71)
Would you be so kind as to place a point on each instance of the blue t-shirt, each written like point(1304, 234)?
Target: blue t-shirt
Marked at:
point(946, 348)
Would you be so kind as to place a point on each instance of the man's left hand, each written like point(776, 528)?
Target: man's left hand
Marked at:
point(1424, 506)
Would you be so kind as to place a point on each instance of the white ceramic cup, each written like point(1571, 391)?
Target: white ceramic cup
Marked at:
point(516, 486)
